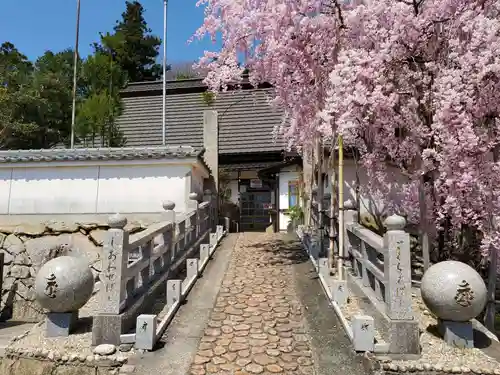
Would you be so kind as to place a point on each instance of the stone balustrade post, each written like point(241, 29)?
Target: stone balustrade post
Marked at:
point(169, 238)
point(195, 220)
point(350, 217)
point(192, 202)
point(208, 197)
point(397, 269)
point(350, 213)
point(107, 323)
point(169, 214)
point(115, 260)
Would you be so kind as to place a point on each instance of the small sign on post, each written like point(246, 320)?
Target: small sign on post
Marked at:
point(173, 292)
point(192, 268)
point(145, 332)
point(213, 240)
point(339, 292)
point(219, 229)
point(363, 331)
point(204, 253)
point(323, 268)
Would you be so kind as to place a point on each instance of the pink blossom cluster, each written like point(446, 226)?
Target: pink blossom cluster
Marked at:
point(409, 83)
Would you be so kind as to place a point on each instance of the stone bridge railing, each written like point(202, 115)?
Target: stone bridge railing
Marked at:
point(137, 267)
point(379, 274)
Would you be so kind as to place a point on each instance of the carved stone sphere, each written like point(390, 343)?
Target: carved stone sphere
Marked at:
point(453, 291)
point(64, 284)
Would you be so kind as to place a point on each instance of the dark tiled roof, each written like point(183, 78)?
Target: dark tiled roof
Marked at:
point(158, 85)
point(184, 85)
point(248, 166)
point(87, 154)
point(246, 120)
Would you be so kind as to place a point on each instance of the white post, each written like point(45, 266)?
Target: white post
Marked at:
point(204, 253)
point(174, 290)
point(363, 331)
point(191, 268)
point(145, 332)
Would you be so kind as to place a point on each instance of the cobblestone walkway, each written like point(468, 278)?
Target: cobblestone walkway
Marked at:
point(257, 325)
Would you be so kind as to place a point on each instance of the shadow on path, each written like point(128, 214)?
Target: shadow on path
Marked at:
point(331, 347)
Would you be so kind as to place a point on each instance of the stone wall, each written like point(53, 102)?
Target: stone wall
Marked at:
point(28, 246)
point(30, 365)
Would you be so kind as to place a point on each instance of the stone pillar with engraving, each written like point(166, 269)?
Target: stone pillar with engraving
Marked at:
point(107, 323)
point(404, 335)
point(397, 268)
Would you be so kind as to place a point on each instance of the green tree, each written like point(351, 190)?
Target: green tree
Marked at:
point(14, 67)
point(36, 99)
point(184, 75)
point(53, 82)
point(102, 80)
point(132, 46)
point(100, 73)
point(96, 120)
point(14, 74)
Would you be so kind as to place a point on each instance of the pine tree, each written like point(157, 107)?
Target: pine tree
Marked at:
point(132, 46)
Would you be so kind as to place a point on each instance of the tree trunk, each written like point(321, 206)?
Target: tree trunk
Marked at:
point(424, 232)
point(490, 311)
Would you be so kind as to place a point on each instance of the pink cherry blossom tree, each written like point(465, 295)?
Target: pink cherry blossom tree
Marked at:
point(409, 83)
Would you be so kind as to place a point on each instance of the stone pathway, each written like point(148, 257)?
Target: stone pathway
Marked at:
point(257, 325)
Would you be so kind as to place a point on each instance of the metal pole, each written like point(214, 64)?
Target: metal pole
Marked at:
point(320, 195)
point(75, 70)
point(340, 265)
point(164, 117)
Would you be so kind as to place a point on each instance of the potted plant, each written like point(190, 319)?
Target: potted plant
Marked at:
point(296, 216)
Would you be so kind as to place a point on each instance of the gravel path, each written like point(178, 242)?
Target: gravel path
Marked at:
point(259, 324)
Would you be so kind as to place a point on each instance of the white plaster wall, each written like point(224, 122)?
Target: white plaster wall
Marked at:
point(53, 190)
point(285, 176)
point(371, 204)
point(82, 188)
point(5, 184)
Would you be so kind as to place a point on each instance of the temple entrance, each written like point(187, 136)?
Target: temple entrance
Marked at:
point(256, 204)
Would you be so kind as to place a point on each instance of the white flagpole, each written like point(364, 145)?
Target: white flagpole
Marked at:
point(164, 117)
point(75, 71)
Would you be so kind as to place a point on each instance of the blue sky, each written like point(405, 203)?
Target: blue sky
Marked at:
point(35, 26)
